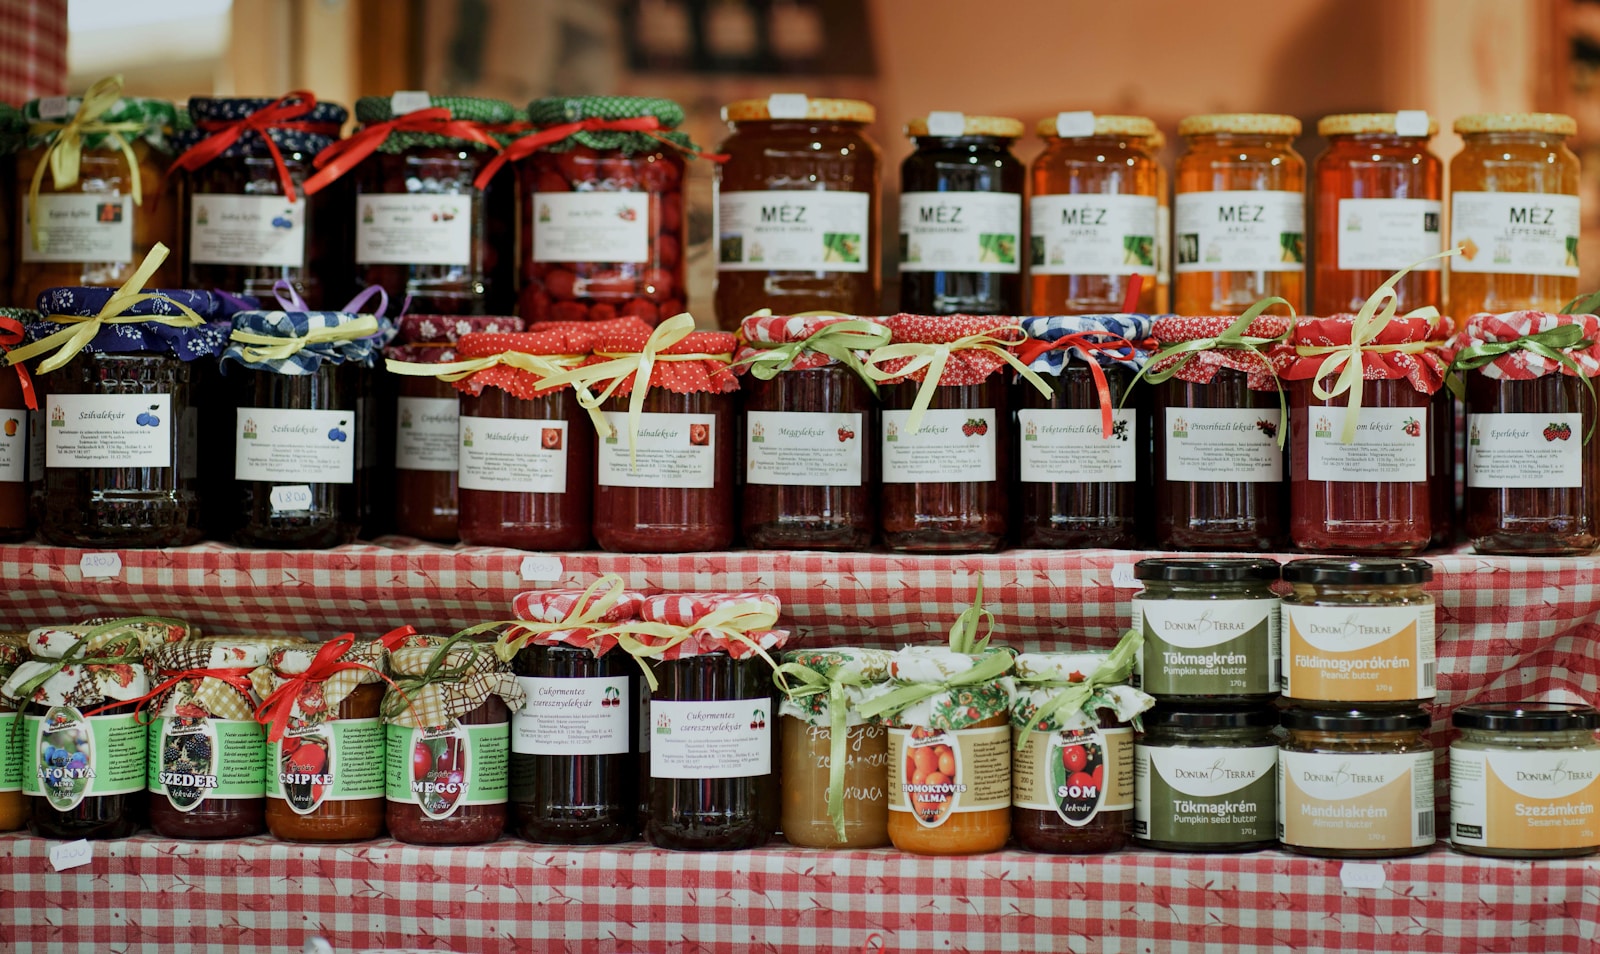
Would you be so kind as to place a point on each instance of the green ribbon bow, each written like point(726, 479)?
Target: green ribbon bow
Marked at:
point(808, 682)
point(1077, 696)
point(839, 340)
point(1551, 344)
point(118, 652)
point(994, 664)
point(399, 699)
point(1582, 305)
point(964, 631)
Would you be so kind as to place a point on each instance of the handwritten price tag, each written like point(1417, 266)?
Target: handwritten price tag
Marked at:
point(100, 564)
point(290, 497)
point(788, 105)
point(1356, 875)
point(1122, 577)
point(541, 569)
point(73, 854)
point(55, 107)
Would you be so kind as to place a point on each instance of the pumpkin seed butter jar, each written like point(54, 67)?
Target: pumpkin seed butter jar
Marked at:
point(1210, 630)
point(1205, 779)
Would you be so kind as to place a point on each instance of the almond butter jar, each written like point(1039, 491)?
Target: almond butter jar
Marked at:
point(1355, 783)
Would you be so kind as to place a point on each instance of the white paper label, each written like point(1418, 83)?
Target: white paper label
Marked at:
point(1390, 446)
point(57, 107)
point(540, 569)
point(591, 227)
point(73, 854)
point(428, 430)
point(788, 105)
point(674, 450)
point(409, 101)
point(1163, 243)
point(14, 438)
point(36, 445)
point(1064, 446)
point(315, 447)
point(1389, 234)
point(952, 446)
point(290, 498)
point(415, 229)
point(793, 230)
point(513, 456)
point(1525, 450)
point(1223, 444)
point(1241, 231)
point(1073, 125)
point(711, 739)
point(109, 430)
point(93, 565)
point(785, 448)
point(945, 123)
point(1123, 578)
point(1361, 876)
point(1093, 234)
point(960, 232)
point(1515, 233)
point(80, 227)
point(572, 717)
point(247, 230)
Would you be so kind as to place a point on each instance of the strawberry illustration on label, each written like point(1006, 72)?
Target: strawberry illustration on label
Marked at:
point(1413, 427)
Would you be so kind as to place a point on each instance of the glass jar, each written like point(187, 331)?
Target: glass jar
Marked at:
point(1209, 629)
point(1522, 780)
point(810, 433)
point(1206, 780)
point(1355, 783)
point(797, 204)
point(1445, 414)
point(13, 135)
point(1094, 215)
point(1358, 631)
point(1514, 213)
point(1533, 470)
point(16, 430)
point(961, 217)
point(807, 723)
point(1083, 450)
point(1217, 460)
point(1239, 214)
point(13, 803)
point(104, 232)
point(1153, 145)
point(248, 222)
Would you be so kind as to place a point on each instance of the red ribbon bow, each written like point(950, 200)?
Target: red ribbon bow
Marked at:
point(532, 143)
point(11, 335)
point(239, 679)
point(275, 709)
point(1088, 342)
point(343, 155)
point(280, 115)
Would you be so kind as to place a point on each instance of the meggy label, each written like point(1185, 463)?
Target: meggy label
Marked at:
point(1064, 446)
point(427, 430)
point(1516, 233)
point(1388, 234)
point(805, 449)
point(1390, 445)
point(591, 226)
point(1359, 653)
point(316, 447)
point(960, 232)
point(443, 768)
point(247, 230)
point(79, 227)
point(1525, 800)
point(703, 740)
point(1240, 231)
point(1355, 802)
point(576, 716)
point(1208, 647)
point(415, 229)
point(1093, 234)
point(1212, 444)
point(951, 446)
point(1076, 773)
point(935, 773)
point(1205, 795)
point(14, 437)
point(108, 430)
point(1525, 450)
point(513, 456)
point(673, 450)
point(793, 230)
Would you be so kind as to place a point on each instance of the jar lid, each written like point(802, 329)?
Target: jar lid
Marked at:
point(1157, 141)
point(1338, 570)
point(1355, 720)
point(1554, 123)
point(799, 106)
point(377, 109)
point(1255, 717)
point(1206, 569)
point(1137, 126)
point(960, 124)
point(1528, 716)
point(1354, 124)
point(1245, 124)
point(157, 115)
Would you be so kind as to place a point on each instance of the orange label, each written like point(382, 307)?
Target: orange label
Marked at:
point(1359, 653)
point(1357, 802)
point(935, 773)
point(1529, 799)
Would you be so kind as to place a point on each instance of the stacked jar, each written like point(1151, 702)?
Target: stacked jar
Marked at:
point(13, 803)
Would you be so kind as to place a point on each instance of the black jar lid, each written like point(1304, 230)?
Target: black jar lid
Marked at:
point(1207, 569)
point(1253, 717)
point(1530, 716)
point(1372, 570)
point(1356, 720)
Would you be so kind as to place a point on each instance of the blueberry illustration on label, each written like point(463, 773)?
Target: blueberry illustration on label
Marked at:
point(282, 222)
point(336, 433)
point(148, 418)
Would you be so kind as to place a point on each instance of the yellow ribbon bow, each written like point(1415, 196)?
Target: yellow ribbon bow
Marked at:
point(588, 613)
point(259, 348)
point(85, 327)
point(933, 357)
point(544, 365)
point(64, 155)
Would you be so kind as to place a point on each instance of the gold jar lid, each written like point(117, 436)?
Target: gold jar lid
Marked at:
point(1136, 126)
point(1244, 124)
point(1388, 124)
point(960, 124)
point(799, 106)
point(1555, 124)
point(1157, 141)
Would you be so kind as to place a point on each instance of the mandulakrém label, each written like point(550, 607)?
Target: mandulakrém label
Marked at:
point(1355, 802)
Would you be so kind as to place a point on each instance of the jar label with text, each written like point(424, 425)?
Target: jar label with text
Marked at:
point(1208, 647)
point(427, 432)
point(69, 757)
point(1076, 773)
point(1089, 233)
point(952, 446)
point(415, 229)
point(1525, 800)
point(36, 444)
point(803, 449)
point(960, 232)
point(1515, 233)
point(264, 230)
point(1164, 244)
point(1525, 450)
point(674, 450)
point(936, 773)
point(1355, 802)
point(1359, 653)
point(513, 456)
point(591, 226)
point(866, 761)
point(11, 745)
point(316, 447)
point(700, 740)
point(1066, 446)
point(571, 716)
point(1207, 795)
point(79, 227)
point(109, 430)
point(1390, 446)
point(193, 760)
point(443, 767)
point(793, 230)
point(1213, 444)
point(1388, 234)
point(1240, 231)
point(336, 761)
point(14, 437)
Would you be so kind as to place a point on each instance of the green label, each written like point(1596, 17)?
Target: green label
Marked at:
point(68, 757)
point(1205, 796)
point(11, 745)
point(1208, 647)
point(441, 768)
point(335, 761)
point(192, 760)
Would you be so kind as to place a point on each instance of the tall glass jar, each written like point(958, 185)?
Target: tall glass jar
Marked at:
point(1514, 213)
point(1205, 778)
point(1523, 780)
point(13, 803)
point(1239, 214)
point(1358, 632)
point(1356, 783)
point(1209, 630)
point(1093, 215)
point(1154, 144)
point(961, 217)
point(13, 135)
point(16, 429)
point(1377, 208)
point(797, 204)
point(1446, 413)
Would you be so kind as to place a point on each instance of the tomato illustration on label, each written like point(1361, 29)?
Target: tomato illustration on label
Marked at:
point(932, 778)
point(1077, 774)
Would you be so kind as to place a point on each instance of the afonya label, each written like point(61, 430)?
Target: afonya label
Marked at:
point(1525, 800)
point(1355, 802)
point(71, 757)
point(341, 760)
point(1208, 647)
point(440, 768)
point(197, 759)
point(936, 773)
point(1205, 796)
point(1359, 653)
point(1076, 773)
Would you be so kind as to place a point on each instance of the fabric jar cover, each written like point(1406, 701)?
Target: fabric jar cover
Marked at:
point(186, 343)
point(576, 341)
point(318, 701)
point(424, 339)
point(83, 665)
point(1521, 364)
point(13, 653)
point(559, 606)
point(597, 327)
point(966, 365)
point(1134, 329)
point(709, 374)
point(870, 667)
point(158, 116)
point(307, 135)
point(689, 611)
point(1424, 368)
point(86, 301)
point(1032, 669)
point(206, 695)
point(486, 112)
point(464, 679)
point(289, 325)
point(789, 329)
point(1199, 367)
point(952, 708)
point(560, 110)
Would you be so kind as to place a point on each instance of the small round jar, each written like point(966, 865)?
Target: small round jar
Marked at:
point(805, 742)
point(1523, 780)
point(1355, 783)
point(961, 217)
point(1209, 629)
point(16, 430)
point(1358, 631)
point(13, 803)
point(797, 203)
point(1206, 780)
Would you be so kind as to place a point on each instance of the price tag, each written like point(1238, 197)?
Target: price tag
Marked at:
point(100, 564)
point(541, 569)
point(1411, 122)
point(1123, 579)
point(73, 854)
point(55, 107)
point(1072, 125)
point(291, 497)
point(942, 123)
point(1357, 875)
point(788, 105)
point(409, 101)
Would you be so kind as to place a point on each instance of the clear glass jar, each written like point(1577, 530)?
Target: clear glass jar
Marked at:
point(1153, 145)
point(1356, 783)
point(1209, 628)
point(303, 776)
point(1075, 795)
point(970, 510)
point(13, 134)
point(13, 803)
point(1206, 780)
point(1358, 632)
point(805, 740)
point(60, 806)
point(1523, 780)
point(922, 820)
point(16, 430)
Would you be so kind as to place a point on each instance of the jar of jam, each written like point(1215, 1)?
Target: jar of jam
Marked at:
point(207, 773)
point(1356, 783)
point(1359, 632)
point(1522, 780)
point(1206, 780)
point(835, 761)
point(1360, 392)
point(93, 179)
point(1513, 214)
point(810, 431)
point(1533, 474)
point(1218, 453)
point(1239, 213)
point(248, 221)
point(13, 803)
point(18, 406)
point(797, 208)
point(1378, 207)
point(1083, 449)
point(448, 724)
point(1446, 413)
point(961, 216)
point(1153, 145)
point(13, 136)
point(1094, 215)
point(1208, 629)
